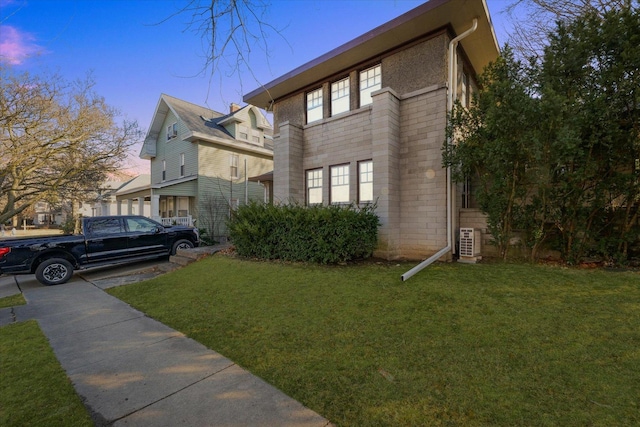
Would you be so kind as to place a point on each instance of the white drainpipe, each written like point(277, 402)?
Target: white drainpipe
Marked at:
point(452, 84)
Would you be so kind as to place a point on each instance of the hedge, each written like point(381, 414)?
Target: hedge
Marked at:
point(320, 234)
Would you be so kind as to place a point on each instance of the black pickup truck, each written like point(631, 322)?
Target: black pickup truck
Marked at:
point(105, 240)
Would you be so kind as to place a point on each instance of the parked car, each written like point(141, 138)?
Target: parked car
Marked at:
point(106, 240)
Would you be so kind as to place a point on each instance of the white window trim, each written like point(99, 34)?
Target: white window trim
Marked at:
point(340, 182)
point(362, 182)
point(172, 131)
point(371, 82)
point(340, 92)
point(314, 105)
point(234, 161)
point(314, 176)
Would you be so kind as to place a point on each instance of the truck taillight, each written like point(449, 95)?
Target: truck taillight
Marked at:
point(4, 251)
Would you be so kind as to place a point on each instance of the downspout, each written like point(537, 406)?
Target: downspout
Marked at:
point(452, 84)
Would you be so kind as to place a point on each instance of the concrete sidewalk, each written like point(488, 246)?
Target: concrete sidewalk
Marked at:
point(132, 370)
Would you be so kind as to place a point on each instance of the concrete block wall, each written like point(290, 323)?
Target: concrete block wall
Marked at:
point(423, 222)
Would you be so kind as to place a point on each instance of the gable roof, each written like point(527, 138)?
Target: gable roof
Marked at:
point(202, 123)
point(481, 47)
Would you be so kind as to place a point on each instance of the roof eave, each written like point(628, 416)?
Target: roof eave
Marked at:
point(481, 47)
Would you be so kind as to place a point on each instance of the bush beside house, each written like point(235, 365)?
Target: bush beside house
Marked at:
point(322, 234)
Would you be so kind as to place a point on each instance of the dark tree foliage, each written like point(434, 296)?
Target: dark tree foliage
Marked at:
point(554, 145)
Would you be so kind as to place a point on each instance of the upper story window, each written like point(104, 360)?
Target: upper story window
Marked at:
point(164, 170)
point(314, 187)
point(340, 184)
point(370, 81)
point(314, 105)
point(340, 96)
point(233, 165)
point(172, 131)
point(365, 181)
point(181, 164)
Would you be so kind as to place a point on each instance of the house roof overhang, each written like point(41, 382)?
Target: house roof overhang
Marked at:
point(265, 177)
point(481, 47)
point(232, 144)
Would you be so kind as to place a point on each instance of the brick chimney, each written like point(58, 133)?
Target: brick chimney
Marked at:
point(234, 107)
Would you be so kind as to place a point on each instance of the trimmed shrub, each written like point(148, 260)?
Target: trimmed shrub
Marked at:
point(320, 234)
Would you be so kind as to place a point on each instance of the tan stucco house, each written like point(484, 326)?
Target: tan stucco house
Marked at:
point(365, 123)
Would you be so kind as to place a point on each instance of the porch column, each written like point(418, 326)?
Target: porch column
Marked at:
point(155, 206)
point(119, 207)
point(129, 206)
point(140, 205)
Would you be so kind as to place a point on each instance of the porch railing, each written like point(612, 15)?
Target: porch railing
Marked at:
point(175, 220)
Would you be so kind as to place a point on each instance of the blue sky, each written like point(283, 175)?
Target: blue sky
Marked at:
point(134, 53)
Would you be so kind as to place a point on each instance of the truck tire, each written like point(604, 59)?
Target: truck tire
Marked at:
point(54, 271)
point(181, 244)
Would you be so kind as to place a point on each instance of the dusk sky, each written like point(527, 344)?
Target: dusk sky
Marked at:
point(135, 53)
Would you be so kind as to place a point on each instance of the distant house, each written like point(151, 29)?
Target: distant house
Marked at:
point(201, 161)
point(101, 201)
point(365, 123)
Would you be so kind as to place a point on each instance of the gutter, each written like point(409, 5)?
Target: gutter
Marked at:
point(451, 97)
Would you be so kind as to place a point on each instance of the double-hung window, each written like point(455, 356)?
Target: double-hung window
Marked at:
point(365, 181)
point(164, 170)
point(340, 184)
point(340, 96)
point(370, 81)
point(172, 131)
point(314, 105)
point(314, 187)
point(233, 165)
point(181, 164)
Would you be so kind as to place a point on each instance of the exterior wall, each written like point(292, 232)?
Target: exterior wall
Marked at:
point(170, 152)
point(423, 190)
point(402, 131)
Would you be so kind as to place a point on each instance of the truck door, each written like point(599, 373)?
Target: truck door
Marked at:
point(106, 239)
point(146, 237)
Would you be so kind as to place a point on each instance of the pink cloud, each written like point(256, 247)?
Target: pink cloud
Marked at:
point(16, 46)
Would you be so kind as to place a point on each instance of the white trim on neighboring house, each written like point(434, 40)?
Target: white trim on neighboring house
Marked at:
point(235, 144)
point(174, 182)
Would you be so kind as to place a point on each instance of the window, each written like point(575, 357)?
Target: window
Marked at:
point(172, 131)
point(106, 226)
point(183, 206)
point(314, 105)
point(181, 164)
point(365, 177)
point(314, 187)
point(340, 184)
point(243, 132)
point(164, 170)
point(340, 96)
point(370, 81)
point(142, 225)
point(233, 165)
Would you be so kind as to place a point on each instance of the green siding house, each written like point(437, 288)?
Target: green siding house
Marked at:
point(201, 162)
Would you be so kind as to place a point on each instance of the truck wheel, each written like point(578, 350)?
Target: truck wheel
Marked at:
point(181, 244)
point(54, 271)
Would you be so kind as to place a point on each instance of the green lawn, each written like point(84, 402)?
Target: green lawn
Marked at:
point(34, 389)
point(487, 344)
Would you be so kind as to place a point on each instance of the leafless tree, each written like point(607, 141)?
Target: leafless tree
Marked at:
point(56, 138)
point(231, 32)
point(533, 20)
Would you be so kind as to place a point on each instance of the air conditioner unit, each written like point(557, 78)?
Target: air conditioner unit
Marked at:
point(470, 243)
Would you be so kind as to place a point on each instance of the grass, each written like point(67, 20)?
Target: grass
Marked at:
point(12, 301)
point(487, 344)
point(34, 390)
